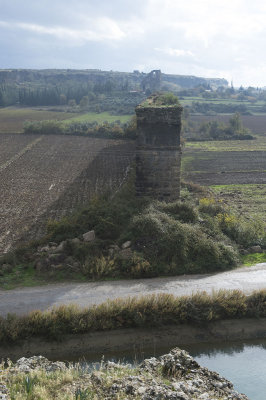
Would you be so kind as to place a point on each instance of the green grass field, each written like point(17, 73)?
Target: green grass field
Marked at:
point(258, 144)
point(99, 117)
point(245, 200)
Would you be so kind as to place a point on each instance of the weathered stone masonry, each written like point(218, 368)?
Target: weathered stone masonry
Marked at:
point(158, 152)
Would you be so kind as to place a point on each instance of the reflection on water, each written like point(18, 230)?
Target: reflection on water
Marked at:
point(243, 363)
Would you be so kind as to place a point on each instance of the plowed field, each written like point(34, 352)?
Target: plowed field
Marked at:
point(256, 123)
point(48, 176)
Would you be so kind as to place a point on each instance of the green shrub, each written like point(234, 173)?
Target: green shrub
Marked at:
point(184, 247)
point(184, 212)
point(210, 206)
point(242, 232)
point(136, 267)
point(99, 268)
point(50, 127)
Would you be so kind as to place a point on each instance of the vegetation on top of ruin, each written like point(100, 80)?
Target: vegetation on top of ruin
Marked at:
point(161, 100)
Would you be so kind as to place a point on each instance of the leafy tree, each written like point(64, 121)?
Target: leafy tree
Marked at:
point(84, 102)
point(72, 103)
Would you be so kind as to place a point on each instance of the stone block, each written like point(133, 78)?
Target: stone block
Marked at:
point(89, 236)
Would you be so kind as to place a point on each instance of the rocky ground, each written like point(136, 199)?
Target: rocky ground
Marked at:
point(172, 376)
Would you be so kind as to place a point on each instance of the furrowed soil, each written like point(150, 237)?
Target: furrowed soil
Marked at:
point(225, 162)
point(46, 177)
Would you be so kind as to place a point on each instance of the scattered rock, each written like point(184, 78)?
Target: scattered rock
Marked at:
point(41, 264)
point(113, 249)
point(56, 258)
point(126, 254)
point(38, 362)
point(3, 392)
point(126, 244)
point(53, 244)
point(60, 247)
point(244, 252)
point(89, 236)
point(75, 241)
point(6, 268)
point(44, 249)
point(255, 249)
point(173, 376)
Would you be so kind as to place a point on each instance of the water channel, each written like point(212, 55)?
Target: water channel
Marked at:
point(243, 363)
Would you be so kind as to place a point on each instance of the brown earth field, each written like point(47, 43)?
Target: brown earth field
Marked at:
point(44, 177)
point(12, 118)
point(256, 123)
point(224, 167)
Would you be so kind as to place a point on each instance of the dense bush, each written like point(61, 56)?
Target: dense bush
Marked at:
point(240, 231)
point(148, 311)
point(176, 247)
point(44, 127)
point(114, 130)
point(219, 131)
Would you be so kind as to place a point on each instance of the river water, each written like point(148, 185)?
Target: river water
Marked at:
point(243, 363)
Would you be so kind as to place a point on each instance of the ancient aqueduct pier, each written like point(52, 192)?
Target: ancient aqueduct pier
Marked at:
point(158, 151)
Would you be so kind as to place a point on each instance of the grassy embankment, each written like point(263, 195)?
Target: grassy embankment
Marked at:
point(239, 161)
point(145, 312)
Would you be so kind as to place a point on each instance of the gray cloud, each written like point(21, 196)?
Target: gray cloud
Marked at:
point(207, 37)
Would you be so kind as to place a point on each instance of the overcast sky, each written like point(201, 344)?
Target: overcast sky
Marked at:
point(210, 38)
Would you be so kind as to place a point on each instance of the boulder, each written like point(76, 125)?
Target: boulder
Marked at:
point(255, 249)
point(126, 245)
point(113, 249)
point(41, 264)
point(60, 247)
point(44, 249)
point(89, 236)
point(126, 254)
point(56, 258)
point(75, 241)
point(38, 362)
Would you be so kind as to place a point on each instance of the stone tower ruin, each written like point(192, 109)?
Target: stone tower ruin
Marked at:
point(158, 152)
point(152, 81)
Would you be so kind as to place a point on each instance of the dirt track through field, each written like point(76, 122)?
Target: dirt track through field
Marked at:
point(22, 301)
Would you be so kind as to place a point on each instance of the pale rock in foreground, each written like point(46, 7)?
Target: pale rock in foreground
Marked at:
point(173, 376)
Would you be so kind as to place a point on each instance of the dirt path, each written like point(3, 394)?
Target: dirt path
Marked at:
point(21, 301)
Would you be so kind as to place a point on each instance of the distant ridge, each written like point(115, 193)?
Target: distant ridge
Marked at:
point(132, 79)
